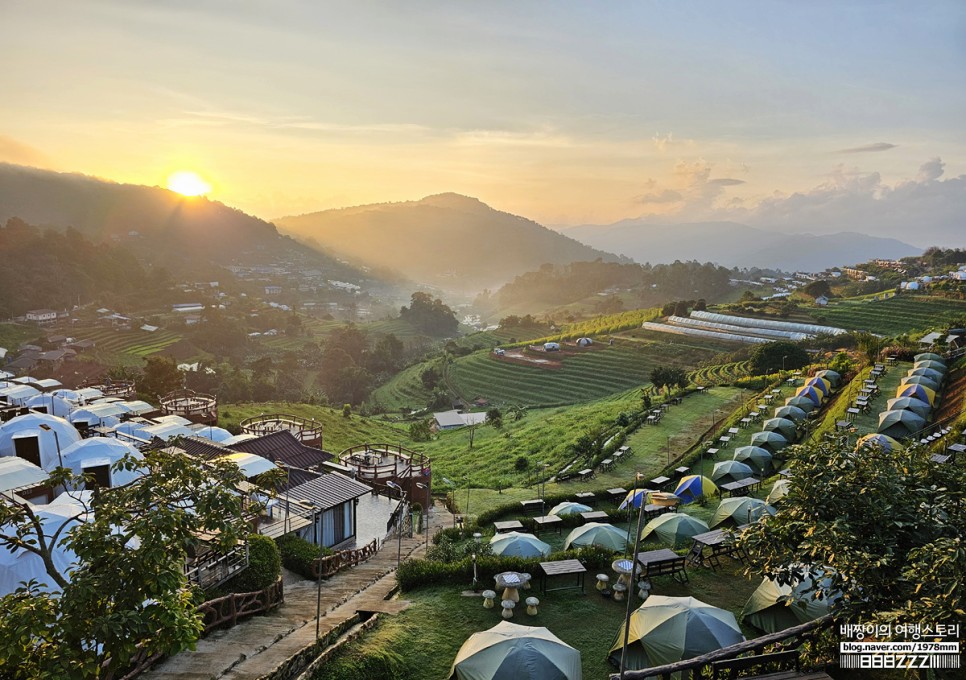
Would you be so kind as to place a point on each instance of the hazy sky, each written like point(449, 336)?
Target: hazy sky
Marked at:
point(564, 112)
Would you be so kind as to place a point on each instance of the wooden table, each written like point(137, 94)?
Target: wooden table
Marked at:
point(607, 464)
point(662, 562)
point(509, 525)
point(681, 471)
point(724, 440)
point(732, 430)
point(713, 452)
point(532, 506)
point(547, 521)
point(617, 494)
point(660, 481)
point(842, 425)
point(745, 422)
point(586, 473)
point(587, 497)
point(853, 412)
point(563, 568)
point(594, 516)
point(742, 487)
point(719, 542)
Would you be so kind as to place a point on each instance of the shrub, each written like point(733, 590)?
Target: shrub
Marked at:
point(298, 554)
point(264, 567)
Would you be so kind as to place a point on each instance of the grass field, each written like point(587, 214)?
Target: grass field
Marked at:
point(12, 335)
point(404, 390)
point(544, 435)
point(893, 316)
point(338, 433)
point(588, 375)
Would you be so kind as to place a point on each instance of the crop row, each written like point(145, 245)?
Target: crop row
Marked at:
point(895, 315)
point(720, 374)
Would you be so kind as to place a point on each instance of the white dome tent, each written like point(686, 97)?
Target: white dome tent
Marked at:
point(37, 437)
point(49, 403)
point(97, 456)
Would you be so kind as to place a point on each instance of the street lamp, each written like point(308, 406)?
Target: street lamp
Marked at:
point(669, 450)
point(466, 511)
point(402, 493)
point(429, 500)
point(630, 591)
point(783, 362)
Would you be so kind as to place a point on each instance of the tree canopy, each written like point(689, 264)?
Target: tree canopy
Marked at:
point(775, 356)
point(888, 525)
point(429, 315)
point(128, 593)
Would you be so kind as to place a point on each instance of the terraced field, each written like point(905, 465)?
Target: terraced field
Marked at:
point(582, 377)
point(720, 374)
point(896, 315)
point(404, 390)
point(135, 342)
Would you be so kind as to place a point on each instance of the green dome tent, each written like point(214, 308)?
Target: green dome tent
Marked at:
point(731, 471)
point(596, 533)
point(518, 544)
point(803, 403)
point(834, 377)
point(755, 457)
point(740, 510)
point(931, 373)
point(771, 441)
point(900, 424)
point(929, 356)
point(926, 381)
point(881, 441)
point(668, 629)
point(782, 426)
point(791, 413)
point(773, 607)
point(674, 528)
point(511, 652)
point(568, 508)
point(917, 406)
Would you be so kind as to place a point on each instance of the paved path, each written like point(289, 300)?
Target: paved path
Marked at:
point(257, 646)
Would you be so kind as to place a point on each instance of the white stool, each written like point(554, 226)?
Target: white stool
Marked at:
point(508, 606)
point(532, 604)
point(619, 589)
point(603, 581)
point(488, 596)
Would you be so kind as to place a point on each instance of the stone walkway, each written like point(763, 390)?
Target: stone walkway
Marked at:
point(258, 645)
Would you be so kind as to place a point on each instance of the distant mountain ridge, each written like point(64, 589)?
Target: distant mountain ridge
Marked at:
point(447, 240)
point(171, 230)
point(732, 244)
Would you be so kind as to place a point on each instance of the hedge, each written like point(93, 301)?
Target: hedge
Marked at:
point(264, 567)
point(299, 554)
point(414, 573)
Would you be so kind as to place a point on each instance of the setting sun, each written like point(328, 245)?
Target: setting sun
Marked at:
point(188, 183)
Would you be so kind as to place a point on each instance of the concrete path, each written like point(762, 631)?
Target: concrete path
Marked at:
point(257, 646)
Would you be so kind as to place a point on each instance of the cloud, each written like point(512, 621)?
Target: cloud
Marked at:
point(923, 211)
point(727, 182)
point(665, 196)
point(931, 170)
point(18, 153)
point(869, 148)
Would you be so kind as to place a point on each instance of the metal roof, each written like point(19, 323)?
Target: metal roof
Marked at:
point(17, 473)
point(329, 491)
point(284, 447)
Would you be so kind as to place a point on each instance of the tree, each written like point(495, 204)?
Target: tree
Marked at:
point(161, 375)
point(429, 315)
point(420, 431)
point(129, 593)
point(890, 525)
point(775, 356)
point(494, 417)
point(667, 377)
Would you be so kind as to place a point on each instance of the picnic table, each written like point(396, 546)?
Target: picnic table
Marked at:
point(547, 521)
point(652, 420)
point(508, 525)
point(853, 412)
point(563, 568)
point(742, 487)
point(607, 464)
point(586, 473)
point(717, 543)
point(746, 421)
point(732, 430)
point(713, 452)
point(618, 455)
point(594, 516)
point(724, 440)
point(587, 497)
point(652, 510)
point(532, 506)
point(842, 425)
point(617, 494)
point(660, 481)
point(754, 415)
point(662, 562)
point(681, 471)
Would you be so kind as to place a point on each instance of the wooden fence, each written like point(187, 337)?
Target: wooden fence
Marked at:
point(332, 564)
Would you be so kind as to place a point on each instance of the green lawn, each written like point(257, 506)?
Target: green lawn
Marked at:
point(423, 640)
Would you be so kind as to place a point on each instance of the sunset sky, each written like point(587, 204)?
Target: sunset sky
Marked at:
point(564, 112)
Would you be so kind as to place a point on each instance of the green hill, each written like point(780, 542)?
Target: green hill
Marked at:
point(893, 315)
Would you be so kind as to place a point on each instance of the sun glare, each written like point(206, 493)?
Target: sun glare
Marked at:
point(188, 183)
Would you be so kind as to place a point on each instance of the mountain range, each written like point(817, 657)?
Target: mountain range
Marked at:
point(732, 244)
point(161, 227)
point(451, 241)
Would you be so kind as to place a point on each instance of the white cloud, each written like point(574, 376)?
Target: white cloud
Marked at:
point(869, 148)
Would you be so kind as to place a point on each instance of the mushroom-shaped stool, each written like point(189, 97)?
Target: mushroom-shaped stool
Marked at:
point(488, 596)
point(532, 604)
point(508, 606)
point(619, 590)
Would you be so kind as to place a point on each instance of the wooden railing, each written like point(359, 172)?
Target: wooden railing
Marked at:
point(332, 564)
point(218, 612)
point(230, 608)
point(701, 666)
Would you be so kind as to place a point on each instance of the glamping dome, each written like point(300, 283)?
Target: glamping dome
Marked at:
point(96, 456)
point(37, 437)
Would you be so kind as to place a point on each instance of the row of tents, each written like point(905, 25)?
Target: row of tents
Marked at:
point(907, 413)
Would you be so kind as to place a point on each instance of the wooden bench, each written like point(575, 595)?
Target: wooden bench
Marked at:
point(732, 668)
